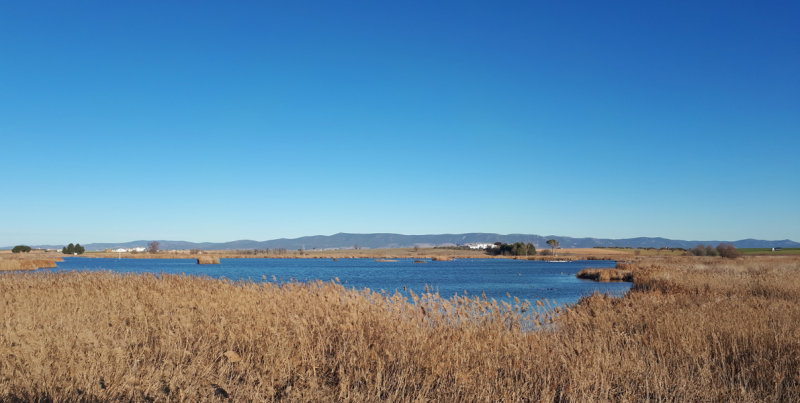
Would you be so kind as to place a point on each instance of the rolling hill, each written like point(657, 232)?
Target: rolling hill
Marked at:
point(390, 240)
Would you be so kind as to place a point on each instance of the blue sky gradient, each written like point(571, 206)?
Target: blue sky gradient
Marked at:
point(215, 121)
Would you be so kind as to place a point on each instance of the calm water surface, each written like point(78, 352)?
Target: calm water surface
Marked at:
point(531, 280)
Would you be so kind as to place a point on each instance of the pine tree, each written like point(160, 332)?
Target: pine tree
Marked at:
point(72, 249)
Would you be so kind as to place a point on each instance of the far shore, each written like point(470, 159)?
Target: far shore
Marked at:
point(40, 259)
point(393, 253)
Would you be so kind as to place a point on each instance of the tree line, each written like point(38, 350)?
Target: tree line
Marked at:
point(21, 249)
point(73, 249)
point(724, 249)
point(513, 249)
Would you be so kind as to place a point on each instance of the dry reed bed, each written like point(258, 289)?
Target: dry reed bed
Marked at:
point(208, 260)
point(605, 275)
point(690, 331)
point(400, 253)
point(622, 272)
point(16, 263)
point(396, 253)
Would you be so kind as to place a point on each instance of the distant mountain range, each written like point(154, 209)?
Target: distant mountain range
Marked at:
point(375, 241)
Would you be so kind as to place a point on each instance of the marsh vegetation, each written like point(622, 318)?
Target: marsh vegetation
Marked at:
point(691, 329)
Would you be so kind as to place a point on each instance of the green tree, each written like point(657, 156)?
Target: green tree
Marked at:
point(72, 249)
point(515, 249)
point(21, 248)
point(553, 245)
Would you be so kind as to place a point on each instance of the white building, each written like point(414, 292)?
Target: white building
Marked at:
point(480, 245)
point(138, 249)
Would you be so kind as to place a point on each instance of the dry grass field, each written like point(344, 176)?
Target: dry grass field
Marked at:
point(692, 329)
point(394, 253)
point(622, 272)
point(593, 252)
point(25, 261)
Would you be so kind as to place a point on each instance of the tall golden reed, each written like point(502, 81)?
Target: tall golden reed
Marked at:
point(691, 330)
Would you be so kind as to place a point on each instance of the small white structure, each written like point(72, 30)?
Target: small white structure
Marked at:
point(480, 245)
point(138, 249)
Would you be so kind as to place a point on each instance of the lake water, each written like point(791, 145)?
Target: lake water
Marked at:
point(531, 280)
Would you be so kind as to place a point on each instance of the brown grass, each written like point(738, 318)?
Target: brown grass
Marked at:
point(622, 272)
point(546, 258)
point(594, 251)
point(208, 260)
point(394, 253)
point(605, 275)
point(27, 262)
point(627, 252)
point(691, 330)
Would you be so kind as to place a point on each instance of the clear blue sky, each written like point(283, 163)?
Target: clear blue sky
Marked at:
point(215, 121)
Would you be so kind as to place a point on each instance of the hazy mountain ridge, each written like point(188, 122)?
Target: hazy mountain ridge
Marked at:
point(390, 240)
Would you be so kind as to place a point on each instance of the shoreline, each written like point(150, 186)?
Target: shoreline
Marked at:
point(393, 253)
